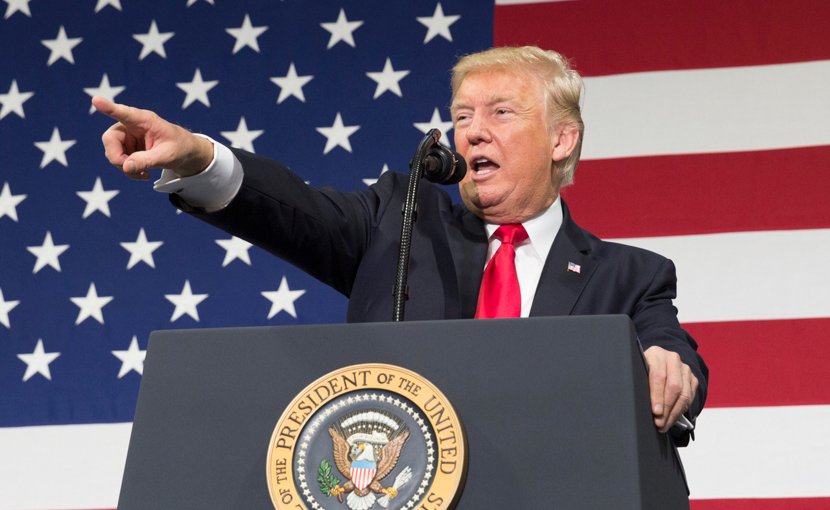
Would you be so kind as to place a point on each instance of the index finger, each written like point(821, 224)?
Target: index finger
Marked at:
point(127, 115)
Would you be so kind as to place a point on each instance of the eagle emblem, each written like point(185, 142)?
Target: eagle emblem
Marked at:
point(367, 445)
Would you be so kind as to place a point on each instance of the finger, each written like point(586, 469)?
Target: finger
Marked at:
point(139, 162)
point(115, 145)
point(657, 384)
point(127, 115)
point(684, 399)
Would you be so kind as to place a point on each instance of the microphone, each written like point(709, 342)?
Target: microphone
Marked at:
point(444, 166)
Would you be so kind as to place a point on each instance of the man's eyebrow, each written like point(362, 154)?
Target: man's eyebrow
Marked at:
point(490, 102)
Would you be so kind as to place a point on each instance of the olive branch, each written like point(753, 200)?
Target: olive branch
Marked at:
point(326, 479)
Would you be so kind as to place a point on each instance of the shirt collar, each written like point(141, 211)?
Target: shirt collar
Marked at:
point(541, 229)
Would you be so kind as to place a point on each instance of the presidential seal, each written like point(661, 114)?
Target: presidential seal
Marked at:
point(368, 436)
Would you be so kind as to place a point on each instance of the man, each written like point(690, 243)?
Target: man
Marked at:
point(517, 123)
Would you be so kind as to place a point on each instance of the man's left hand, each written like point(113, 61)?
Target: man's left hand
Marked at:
point(672, 386)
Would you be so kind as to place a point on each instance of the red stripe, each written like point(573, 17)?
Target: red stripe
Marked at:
point(766, 363)
point(703, 193)
point(646, 35)
point(762, 504)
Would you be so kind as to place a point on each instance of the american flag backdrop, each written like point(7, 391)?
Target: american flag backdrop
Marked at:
point(707, 140)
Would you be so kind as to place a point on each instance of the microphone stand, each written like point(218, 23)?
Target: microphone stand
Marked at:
point(409, 212)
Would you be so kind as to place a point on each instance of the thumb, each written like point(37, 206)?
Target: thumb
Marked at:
point(139, 162)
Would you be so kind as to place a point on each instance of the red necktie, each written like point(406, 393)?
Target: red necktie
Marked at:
point(500, 295)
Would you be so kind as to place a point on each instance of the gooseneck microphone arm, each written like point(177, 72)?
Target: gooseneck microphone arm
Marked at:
point(437, 164)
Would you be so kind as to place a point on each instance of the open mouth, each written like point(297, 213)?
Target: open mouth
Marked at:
point(483, 166)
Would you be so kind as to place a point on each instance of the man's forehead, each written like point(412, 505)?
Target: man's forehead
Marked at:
point(492, 86)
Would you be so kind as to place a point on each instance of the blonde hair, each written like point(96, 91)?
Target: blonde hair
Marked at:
point(563, 88)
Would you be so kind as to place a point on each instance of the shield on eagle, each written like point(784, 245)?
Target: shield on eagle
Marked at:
point(362, 473)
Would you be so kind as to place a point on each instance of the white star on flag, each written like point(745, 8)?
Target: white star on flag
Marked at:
point(291, 84)
point(185, 302)
point(141, 250)
point(97, 199)
point(5, 308)
point(197, 90)
point(104, 89)
point(9, 202)
point(38, 362)
point(153, 41)
point(191, 2)
point(242, 138)
point(388, 79)
point(438, 24)
point(369, 182)
point(13, 100)
point(91, 305)
point(61, 47)
point(103, 3)
point(235, 248)
point(54, 149)
point(246, 35)
point(337, 135)
point(341, 30)
point(17, 6)
point(47, 253)
point(436, 122)
point(131, 359)
point(283, 299)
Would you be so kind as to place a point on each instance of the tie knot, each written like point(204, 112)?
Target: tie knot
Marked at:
point(513, 234)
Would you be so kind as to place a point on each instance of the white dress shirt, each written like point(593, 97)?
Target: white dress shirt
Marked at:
point(532, 253)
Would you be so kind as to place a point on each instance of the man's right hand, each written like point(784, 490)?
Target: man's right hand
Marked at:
point(141, 140)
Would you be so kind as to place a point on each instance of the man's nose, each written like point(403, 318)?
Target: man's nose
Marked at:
point(478, 131)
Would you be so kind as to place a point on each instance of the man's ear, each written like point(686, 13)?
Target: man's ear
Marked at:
point(565, 143)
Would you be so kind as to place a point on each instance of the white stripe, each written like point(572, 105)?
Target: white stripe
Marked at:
point(748, 275)
point(62, 466)
point(760, 452)
point(707, 110)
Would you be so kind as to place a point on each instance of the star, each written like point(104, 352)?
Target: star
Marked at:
point(55, 149)
point(17, 5)
point(185, 302)
point(153, 41)
point(337, 134)
point(13, 100)
point(388, 79)
point(131, 359)
point(47, 254)
point(436, 122)
point(341, 30)
point(242, 138)
point(97, 199)
point(61, 47)
point(103, 3)
point(291, 84)
point(369, 182)
point(104, 90)
point(5, 308)
point(9, 202)
point(91, 305)
point(38, 362)
point(141, 250)
point(283, 299)
point(438, 24)
point(197, 89)
point(246, 35)
point(235, 248)
point(191, 2)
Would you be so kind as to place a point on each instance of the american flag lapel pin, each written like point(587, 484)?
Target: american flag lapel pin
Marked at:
point(574, 267)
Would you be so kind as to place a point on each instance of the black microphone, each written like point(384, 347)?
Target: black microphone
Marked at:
point(444, 166)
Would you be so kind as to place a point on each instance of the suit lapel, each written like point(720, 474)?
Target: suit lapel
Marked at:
point(567, 271)
point(468, 245)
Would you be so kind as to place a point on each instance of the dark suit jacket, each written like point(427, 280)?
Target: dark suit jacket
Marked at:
point(350, 241)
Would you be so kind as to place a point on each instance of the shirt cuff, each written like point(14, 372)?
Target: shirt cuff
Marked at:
point(212, 189)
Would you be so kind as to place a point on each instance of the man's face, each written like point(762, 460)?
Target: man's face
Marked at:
point(501, 130)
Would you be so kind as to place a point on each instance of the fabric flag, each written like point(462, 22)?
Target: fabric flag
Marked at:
point(706, 141)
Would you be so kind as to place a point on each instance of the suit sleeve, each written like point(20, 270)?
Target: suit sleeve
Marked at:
point(323, 232)
point(655, 319)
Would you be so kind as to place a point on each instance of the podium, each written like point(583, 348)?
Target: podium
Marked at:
point(555, 410)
